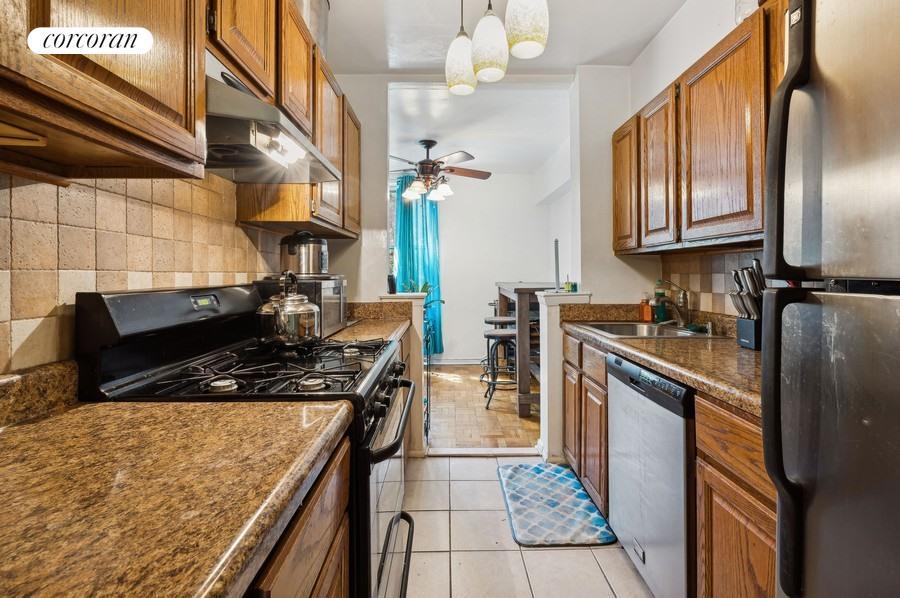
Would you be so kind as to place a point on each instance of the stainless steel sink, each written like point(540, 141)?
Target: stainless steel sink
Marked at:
point(640, 329)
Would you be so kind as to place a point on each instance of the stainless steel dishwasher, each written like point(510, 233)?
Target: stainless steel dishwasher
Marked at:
point(651, 482)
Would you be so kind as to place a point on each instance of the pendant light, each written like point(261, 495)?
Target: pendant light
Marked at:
point(444, 188)
point(458, 69)
point(410, 194)
point(527, 27)
point(435, 195)
point(490, 50)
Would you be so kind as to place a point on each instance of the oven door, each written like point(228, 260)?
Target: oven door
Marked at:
point(389, 557)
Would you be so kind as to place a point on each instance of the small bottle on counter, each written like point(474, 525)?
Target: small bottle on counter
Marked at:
point(646, 311)
point(659, 309)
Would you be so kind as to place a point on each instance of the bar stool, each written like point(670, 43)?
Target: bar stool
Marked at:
point(499, 337)
point(496, 322)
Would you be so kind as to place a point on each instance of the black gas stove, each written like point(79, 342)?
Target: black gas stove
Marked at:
point(201, 345)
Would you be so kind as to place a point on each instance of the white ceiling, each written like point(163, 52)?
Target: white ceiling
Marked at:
point(509, 128)
point(411, 36)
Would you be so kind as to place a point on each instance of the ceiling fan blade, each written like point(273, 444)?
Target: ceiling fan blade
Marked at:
point(468, 172)
point(455, 158)
point(410, 162)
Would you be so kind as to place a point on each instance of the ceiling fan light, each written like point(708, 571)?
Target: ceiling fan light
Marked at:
point(527, 27)
point(490, 49)
point(444, 188)
point(458, 69)
point(417, 186)
point(410, 194)
point(435, 195)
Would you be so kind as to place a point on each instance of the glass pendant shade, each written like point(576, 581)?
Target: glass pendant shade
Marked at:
point(527, 27)
point(490, 50)
point(460, 75)
point(417, 186)
point(445, 189)
point(410, 194)
point(435, 195)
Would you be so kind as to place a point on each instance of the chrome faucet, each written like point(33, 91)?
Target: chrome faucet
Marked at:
point(683, 301)
point(664, 300)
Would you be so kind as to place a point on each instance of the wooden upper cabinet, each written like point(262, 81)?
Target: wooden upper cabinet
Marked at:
point(95, 110)
point(722, 136)
point(658, 189)
point(296, 67)
point(594, 457)
point(329, 204)
point(246, 33)
point(735, 539)
point(351, 174)
point(625, 145)
point(329, 113)
point(572, 417)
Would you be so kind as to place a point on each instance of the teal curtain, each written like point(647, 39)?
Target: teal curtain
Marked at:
point(418, 255)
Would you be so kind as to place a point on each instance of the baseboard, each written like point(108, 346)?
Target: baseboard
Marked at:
point(463, 361)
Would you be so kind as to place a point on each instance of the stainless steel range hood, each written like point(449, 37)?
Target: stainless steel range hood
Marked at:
point(250, 141)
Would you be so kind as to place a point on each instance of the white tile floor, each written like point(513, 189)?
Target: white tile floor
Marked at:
point(463, 545)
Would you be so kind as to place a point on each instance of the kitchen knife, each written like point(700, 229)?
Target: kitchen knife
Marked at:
point(738, 286)
point(748, 277)
point(738, 303)
point(758, 273)
point(752, 306)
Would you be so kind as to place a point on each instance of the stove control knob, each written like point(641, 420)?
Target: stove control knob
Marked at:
point(398, 369)
point(380, 410)
point(383, 398)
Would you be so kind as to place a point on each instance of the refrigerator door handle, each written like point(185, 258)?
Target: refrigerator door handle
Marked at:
point(796, 75)
point(790, 494)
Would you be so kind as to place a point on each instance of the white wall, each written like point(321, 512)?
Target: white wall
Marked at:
point(600, 105)
point(364, 262)
point(491, 231)
point(694, 29)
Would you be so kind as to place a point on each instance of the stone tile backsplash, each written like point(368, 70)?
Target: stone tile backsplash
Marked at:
point(707, 276)
point(106, 235)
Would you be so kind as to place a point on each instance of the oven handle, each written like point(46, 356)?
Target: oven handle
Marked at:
point(408, 556)
point(386, 452)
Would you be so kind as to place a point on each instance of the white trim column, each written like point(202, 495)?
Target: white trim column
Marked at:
point(415, 438)
point(550, 444)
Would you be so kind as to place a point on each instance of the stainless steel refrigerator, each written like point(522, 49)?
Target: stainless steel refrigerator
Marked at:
point(831, 346)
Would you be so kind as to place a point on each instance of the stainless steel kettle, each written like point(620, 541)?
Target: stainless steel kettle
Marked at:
point(289, 318)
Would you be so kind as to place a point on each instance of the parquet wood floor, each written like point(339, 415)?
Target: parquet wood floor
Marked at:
point(459, 419)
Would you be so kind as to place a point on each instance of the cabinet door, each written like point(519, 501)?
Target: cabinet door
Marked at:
point(735, 539)
point(329, 113)
point(723, 130)
point(334, 579)
point(572, 417)
point(594, 457)
point(659, 193)
point(328, 204)
point(296, 67)
point(245, 32)
point(352, 200)
point(156, 96)
point(625, 145)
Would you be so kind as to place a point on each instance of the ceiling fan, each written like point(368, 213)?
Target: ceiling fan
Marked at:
point(431, 173)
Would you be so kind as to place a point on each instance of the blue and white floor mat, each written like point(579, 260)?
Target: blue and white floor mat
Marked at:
point(548, 506)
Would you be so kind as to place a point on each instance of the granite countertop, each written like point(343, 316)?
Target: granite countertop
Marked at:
point(714, 366)
point(155, 498)
point(365, 330)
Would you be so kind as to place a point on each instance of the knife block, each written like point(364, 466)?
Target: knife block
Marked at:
point(749, 334)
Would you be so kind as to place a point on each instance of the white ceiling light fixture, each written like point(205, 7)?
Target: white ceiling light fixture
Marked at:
point(458, 69)
point(444, 188)
point(418, 186)
point(527, 27)
point(435, 195)
point(490, 49)
point(411, 194)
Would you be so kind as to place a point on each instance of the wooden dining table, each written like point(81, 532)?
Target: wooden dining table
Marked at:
point(523, 294)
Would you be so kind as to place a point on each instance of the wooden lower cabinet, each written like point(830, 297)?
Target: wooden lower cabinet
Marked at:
point(334, 579)
point(572, 417)
point(735, 539)
point(312, 556)
point(594, 456)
